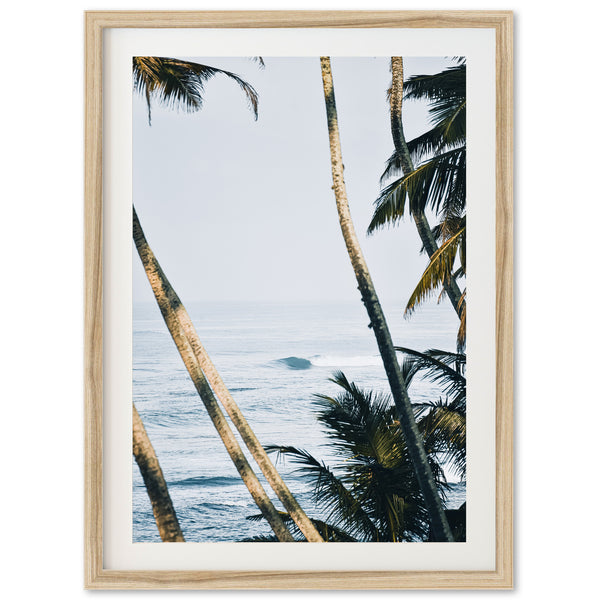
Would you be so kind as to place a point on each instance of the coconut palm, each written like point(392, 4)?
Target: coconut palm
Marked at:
point(371, 493)
point(439, 182)
point(180, 84)
point(170, 307)
point(154, 480)
point(413, 438)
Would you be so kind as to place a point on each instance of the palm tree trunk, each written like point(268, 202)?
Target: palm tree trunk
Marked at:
point(156, 486)
point(259, 454)
point(263, 461)
point(170, 306)
point(424, 230)
point(414, 441)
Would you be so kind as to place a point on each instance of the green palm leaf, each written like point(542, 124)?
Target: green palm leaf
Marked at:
point(353, 422)
point(448, 134)
point(372, 493)
point(439, 183)
point(438, 270)
point(447, 85)
point(447, 93)
point(444, 427)
point(180, 83)
point(450, 118)
point(442, 422)
point(337, 502)
point(439, 366)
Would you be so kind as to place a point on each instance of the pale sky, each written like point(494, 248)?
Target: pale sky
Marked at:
point(238, 209)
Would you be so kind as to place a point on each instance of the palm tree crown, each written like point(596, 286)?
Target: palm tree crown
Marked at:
point(437, 183)
point(180, 83)
point(439, 180)
point(371, 493)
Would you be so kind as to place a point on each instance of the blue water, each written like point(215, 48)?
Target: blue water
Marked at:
point(273, 358)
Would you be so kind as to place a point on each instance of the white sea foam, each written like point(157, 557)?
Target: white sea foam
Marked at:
point(345, 361)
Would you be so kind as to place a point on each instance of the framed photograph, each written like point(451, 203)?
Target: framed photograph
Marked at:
point(287, 385)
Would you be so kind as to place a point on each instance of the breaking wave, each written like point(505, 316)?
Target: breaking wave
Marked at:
point(299, 363)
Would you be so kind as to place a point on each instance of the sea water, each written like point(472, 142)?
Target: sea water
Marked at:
point(273, 358)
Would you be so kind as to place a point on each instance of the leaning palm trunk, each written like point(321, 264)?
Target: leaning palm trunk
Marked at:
point(213, 378)
point(170, 306)
point(424, 230)
point(259, 454)
point(156, 486)
point(414, 441)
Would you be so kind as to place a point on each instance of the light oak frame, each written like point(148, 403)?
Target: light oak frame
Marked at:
point(96, 577)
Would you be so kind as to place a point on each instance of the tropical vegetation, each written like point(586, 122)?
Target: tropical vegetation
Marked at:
point(371, 493)
point(437, 183)
point(389, 483)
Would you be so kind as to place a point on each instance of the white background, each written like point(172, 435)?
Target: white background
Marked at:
point(41, 249)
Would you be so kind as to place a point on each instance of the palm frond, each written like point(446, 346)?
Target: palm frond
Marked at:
point(339, 505)
point(354, 421)
point(444, 427)
point(451, 224)
point(364, 428)
point(446, 92)
point(451, 119)
point(439, 366)
point(438, 271)
point(438, 183)
point(180, 83)
point(371, 493)
point(449, 84)
point(435, 140)
point(442, 422)
point(445, 135)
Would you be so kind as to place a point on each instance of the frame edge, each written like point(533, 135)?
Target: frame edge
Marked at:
point(95, 576)
point(93, 301)
point(504, 299)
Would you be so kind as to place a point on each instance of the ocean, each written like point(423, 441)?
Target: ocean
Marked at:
point(273, 358)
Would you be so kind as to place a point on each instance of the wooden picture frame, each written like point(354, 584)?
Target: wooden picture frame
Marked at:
point(96, 576)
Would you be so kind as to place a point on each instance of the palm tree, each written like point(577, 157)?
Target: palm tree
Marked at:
point(154, 480)
point(413, 438)
point(179, 83)
point(371, 493)
point(170, 306)
point(440, 181)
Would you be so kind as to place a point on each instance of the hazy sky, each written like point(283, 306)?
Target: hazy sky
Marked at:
point(238, 209)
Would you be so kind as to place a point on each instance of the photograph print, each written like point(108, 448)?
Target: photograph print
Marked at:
point(299, 299)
